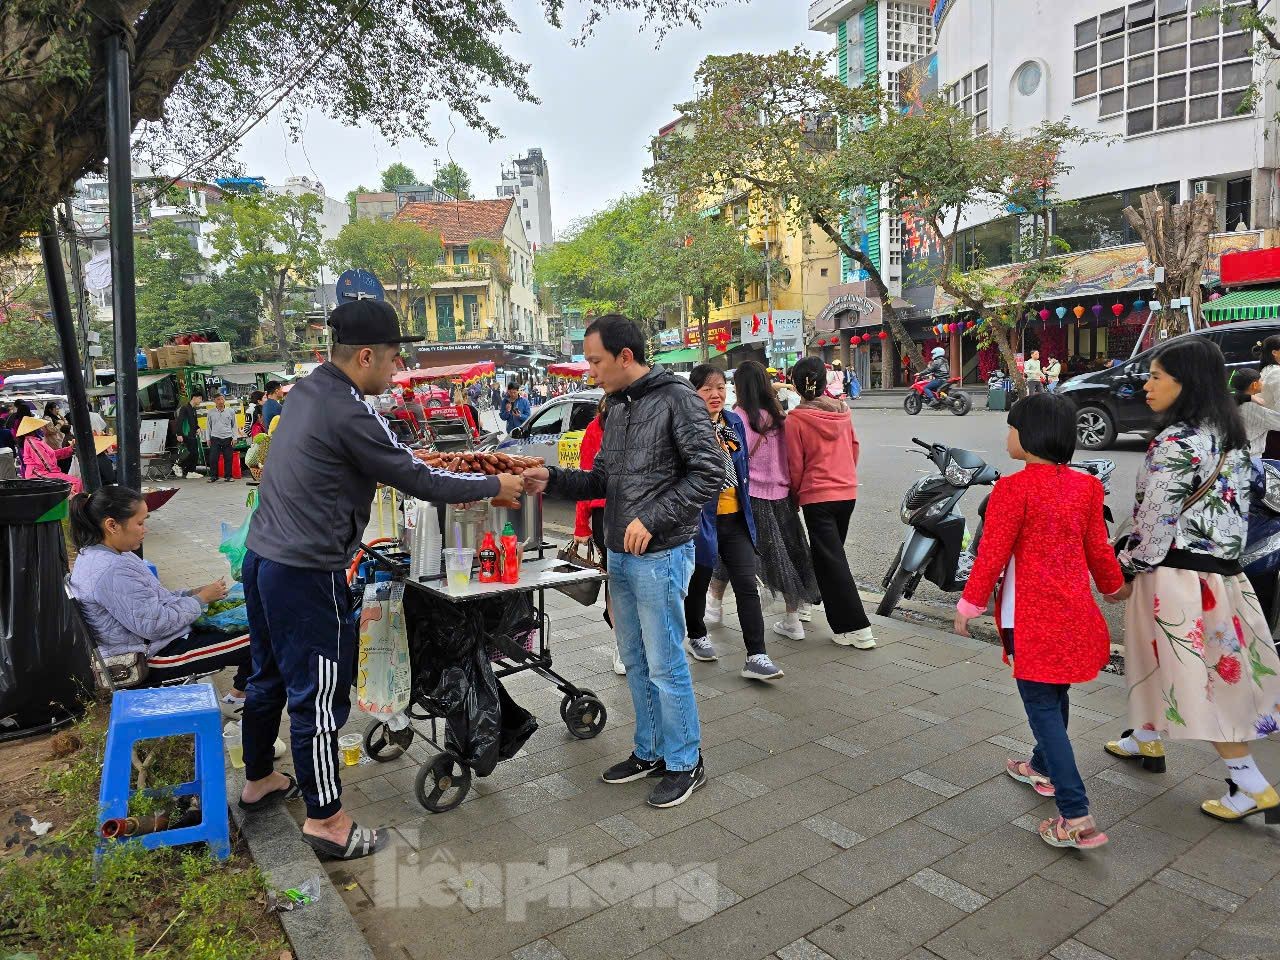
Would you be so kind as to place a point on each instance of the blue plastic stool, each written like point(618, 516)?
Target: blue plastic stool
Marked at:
point(169, 712)
point(152, 567)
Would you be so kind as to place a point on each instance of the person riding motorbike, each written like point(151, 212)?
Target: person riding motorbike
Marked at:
point(938, 371)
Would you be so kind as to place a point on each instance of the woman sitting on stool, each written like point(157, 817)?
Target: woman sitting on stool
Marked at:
point(127, 609)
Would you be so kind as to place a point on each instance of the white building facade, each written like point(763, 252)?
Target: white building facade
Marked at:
point(1163, 85)
point(875, 38)
point(528, 181)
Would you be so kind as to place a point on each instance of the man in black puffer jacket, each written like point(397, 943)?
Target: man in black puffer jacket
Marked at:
point(659, 463)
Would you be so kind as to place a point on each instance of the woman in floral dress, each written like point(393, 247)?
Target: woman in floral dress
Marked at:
point(1198, 654)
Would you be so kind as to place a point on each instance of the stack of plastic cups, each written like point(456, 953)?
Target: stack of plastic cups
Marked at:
point(424, 558)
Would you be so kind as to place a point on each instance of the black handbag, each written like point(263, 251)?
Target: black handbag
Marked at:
point(586, 592)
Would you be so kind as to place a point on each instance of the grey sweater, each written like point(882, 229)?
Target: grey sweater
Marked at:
point(127, 608)
point(328, 454)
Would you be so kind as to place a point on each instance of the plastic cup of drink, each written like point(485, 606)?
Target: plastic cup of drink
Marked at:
point(233, 740)
point(350, 746)
point(457, 566)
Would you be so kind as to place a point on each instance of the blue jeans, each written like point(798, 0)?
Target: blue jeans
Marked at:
point(648, 594)
point(932, 387)
point(1047, 706)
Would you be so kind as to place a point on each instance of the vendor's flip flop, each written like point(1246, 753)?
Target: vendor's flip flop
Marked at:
point(361, 842)
point(291, 792)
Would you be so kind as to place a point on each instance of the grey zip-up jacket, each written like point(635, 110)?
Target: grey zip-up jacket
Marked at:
point(328, 454)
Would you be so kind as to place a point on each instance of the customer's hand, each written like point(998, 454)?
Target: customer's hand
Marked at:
point(212, 593)
point(635, 539)
point(510, 486)
point(961, 624)
point(535, 479)
point(582, 540)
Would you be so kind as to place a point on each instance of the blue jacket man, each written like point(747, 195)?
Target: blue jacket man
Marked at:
point(515, 408)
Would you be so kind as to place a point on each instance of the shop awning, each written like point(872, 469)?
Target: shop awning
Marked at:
point(682, 355)
point(1258, 304)
point(456, 371)
point(577, 368)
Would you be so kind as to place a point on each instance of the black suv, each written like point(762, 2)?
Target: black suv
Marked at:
point(1111, 401)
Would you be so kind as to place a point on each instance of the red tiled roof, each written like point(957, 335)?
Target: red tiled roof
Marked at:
point(460, 221)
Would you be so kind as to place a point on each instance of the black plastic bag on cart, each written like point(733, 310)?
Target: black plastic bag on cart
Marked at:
point(448, 653)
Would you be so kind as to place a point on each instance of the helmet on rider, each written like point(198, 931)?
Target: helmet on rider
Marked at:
point(937, 352)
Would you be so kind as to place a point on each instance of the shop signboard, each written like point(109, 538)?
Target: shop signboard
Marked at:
point(778, 325)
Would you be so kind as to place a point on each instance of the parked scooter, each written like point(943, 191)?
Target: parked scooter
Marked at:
point(935, 546)
point(949, 396)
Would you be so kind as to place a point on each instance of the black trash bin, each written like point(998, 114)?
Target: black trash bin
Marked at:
point(44, 661)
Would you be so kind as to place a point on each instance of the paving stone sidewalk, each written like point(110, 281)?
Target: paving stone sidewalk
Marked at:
point(857, 808)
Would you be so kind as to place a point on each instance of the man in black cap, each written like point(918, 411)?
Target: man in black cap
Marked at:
point(328, 453)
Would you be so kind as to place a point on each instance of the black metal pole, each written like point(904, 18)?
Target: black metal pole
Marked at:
point(124, 306)
point(56, 279)
point(77, 281)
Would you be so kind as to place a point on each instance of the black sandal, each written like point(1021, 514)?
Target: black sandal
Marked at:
point(361, 842)
point(291, 792)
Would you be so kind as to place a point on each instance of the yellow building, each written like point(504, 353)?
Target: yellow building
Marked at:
point(806, 264)
point(487, 291)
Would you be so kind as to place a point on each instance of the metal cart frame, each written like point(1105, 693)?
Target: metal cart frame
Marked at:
point(444, 782)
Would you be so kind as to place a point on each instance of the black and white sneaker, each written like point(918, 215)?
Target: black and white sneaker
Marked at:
point(633, 768)
point(677, 786)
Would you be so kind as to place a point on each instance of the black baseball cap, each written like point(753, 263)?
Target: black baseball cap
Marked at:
point(363, 323)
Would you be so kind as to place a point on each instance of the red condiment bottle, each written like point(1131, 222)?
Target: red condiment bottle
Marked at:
point(510, 555)
point(489, 570)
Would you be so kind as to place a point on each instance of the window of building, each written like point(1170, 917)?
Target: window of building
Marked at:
point(970, 94)
point(822, 272)
point(1099, 221)
point(989, 245)
point(1239, 203)
point(525, 203)
point(1027, 79)
point(461, 256)
point(1201, 67)
point(908, 31)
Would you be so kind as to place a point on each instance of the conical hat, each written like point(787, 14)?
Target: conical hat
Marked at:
point(30, 425)
point(104, 443)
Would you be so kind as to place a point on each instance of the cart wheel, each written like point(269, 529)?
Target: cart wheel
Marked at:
point(586, 716)
point(570, 697)
point(384, 744)
point(443, 783)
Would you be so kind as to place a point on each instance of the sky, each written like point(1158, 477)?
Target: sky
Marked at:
point(601, 104)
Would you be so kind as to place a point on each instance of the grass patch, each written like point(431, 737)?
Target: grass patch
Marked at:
point(164, 904)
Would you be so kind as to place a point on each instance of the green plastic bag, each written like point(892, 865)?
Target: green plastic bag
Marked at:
point(233, 538)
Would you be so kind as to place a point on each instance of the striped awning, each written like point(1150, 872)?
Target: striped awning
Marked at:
point(1258, 304)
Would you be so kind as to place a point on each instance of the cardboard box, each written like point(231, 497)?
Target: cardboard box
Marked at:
point(210, 354)
point(153, 358)
point(174, 356)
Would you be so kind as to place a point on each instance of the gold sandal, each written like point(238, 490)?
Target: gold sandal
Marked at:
point(1150, 752)
point(1266, 803)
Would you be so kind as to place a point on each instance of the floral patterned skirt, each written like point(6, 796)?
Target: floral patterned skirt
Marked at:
point(1199, 658)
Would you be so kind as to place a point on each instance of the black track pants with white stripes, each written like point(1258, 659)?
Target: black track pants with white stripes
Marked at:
point(304, 646)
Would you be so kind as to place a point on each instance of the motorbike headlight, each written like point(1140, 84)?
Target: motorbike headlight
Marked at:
point(957, 475)
point(905, 512)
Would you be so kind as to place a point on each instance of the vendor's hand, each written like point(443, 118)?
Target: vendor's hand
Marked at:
point(1121, 595)
point(535, 479)
point(961, 624)
point(212, 593)
point(510, 486)
point(582, 540)
point(635, 539)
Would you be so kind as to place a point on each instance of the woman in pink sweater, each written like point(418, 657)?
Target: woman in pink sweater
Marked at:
point(40, 459)
point(822, 458)
point(784, 565)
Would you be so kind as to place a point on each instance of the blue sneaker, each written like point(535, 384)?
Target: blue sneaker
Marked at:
point(700, 648)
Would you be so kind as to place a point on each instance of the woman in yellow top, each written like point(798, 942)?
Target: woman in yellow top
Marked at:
point(727, 532)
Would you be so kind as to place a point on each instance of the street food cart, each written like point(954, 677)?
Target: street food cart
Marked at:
point(444, 781)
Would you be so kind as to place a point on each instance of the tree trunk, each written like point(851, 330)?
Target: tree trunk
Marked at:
point(1003, 337)
point(58, 130)
point(1176, 238)
point(909, 346)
